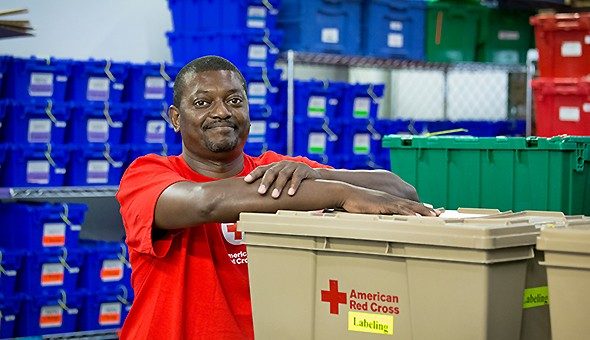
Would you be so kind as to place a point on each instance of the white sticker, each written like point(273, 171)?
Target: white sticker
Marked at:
point(330, 35)
point(155, 131)
point(61, 79)
point(587, 40)
point(54, 235)
point(38, 172)
point(361, 108)
point(316, 107)
point(571, 49)
point(257, 52)
point(51, 316)
point(110, 314)
point(569, 114)
point(586, 107)
point(52, 274)
point(395, 40)
point(97, 130)
point(41, 84)
point(257, 93)
point(333, 101)
point(112, 270)
point(396, 26)
point(155, 88)
point(361, 144)
point(97, 172)
point(118, 86)
point(256, 17)
point(39, 131)
point(257, 132)
point(508, 35)
point(98, 89)
point(316, 143)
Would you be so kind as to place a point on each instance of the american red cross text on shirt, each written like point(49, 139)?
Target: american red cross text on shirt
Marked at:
point(334, 297)
point(233, 228)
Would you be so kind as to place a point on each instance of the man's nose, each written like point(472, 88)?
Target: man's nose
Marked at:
point(220, 110)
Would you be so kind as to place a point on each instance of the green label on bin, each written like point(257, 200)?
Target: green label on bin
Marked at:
point(535, 297)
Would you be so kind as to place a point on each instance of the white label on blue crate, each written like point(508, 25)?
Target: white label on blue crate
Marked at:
point(256, 17)
point(257, 93)
point(361, 107)
point(316, 107)
point(59, 171)
point(257, 52)
point(98, 89)
point(112, 270)
point(396, 26)
point(155, 131)
point(61, 79)
point(361, 144)
point(571, 49)
point(586, 107)
point(330, 35)
point(508, 35)
point(110, 314)
point(333, 101)
point(257, 132)
point(97, 172)
point(51, 316)
point(39, 131)
point(118, 86)
point(41, 84)
point(569, 114)
point(72, 311)
point(38, 172)
point(155, 88)
point(52, 274)
point(97, 130)
point(9, 318)
point(395, 40)
point(316, 144)
point(54, 235)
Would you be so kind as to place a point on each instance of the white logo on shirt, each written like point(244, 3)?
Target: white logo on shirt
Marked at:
point(232, 234)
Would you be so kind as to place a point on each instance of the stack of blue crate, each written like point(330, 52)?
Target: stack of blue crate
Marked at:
point(244, 32)
point(40, 262)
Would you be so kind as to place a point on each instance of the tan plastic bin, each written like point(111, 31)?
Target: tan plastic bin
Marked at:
point(335, 276)
point(567, 258)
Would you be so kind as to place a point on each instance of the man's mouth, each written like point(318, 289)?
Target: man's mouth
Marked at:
point(224, 126)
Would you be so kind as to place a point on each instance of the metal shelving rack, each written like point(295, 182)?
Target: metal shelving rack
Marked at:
point(56, 192)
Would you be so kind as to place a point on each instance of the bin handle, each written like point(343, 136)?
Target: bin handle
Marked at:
point(63, 301)
point(123, 256)
point(164, 114)
point(107, 155)
point(64, 216)
point(163, 72)
point(123, 298)
point(270, 7)
point(2, 270)
point(375, 135)
point(164, 149)
point(47, 154)
point(372, 94)
point(267, 82)
point(107, 115)
point(268, 110)
point(332, 137)
point(49, 113)
point(266, 40)
point(107, 71)
point(62, 260)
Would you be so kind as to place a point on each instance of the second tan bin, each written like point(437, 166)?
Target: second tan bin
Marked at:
point(567, 259)
point(336, 276)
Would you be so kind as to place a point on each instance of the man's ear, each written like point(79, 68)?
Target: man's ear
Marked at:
point(174, 117)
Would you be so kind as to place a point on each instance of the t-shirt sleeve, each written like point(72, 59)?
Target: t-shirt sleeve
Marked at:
point(271, 157)
point(141, 185)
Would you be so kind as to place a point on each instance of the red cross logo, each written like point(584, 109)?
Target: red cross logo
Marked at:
point(231, 233)
point(334, 297)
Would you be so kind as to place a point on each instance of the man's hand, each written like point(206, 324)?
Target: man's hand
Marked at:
point(367, 201)
point(279, 174)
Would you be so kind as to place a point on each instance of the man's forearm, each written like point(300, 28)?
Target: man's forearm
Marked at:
point(382, 180)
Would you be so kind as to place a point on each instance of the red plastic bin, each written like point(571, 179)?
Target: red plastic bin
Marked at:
point(563, 41)
point(562, 106)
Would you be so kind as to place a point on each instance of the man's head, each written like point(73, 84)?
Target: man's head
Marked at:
point(211, 108)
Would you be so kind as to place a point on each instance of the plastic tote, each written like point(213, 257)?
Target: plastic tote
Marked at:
point(105, 310)
point(37, 78)
point(11, 261)
point(151, 82)
point(49, 270)
point(36, 121)
point(10, 313)
point(97, 123)
point(49, 314)
point(97, 164)
point(343, 276)
point(151, 125)
point(35, 165)
point(106, 266)
point(97, 80)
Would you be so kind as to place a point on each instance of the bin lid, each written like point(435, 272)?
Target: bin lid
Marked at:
point(575, 238)
point(474, 233)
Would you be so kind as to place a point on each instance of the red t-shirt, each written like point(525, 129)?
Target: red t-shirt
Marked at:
point(191, 283)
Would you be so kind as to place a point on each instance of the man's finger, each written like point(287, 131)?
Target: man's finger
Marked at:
point(256, 173)
point(268, 179)
point(296, 179)
point(282, 178)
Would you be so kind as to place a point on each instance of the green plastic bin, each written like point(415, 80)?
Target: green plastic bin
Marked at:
point(452, 31)
point(513, 173)
point(504, 36)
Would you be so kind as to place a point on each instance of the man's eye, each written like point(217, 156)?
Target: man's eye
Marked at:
point(200, 103)
point(235, 101)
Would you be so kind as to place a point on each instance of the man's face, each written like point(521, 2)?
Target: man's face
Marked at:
point(213, 114)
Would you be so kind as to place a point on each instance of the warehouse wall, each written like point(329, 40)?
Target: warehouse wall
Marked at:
point(122, 30)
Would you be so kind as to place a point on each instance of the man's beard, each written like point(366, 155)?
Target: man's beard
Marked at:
point(223, 146)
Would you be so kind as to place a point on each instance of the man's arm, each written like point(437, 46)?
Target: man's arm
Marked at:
point(186, 204)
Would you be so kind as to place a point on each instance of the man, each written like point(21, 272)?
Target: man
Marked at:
point(189, 266)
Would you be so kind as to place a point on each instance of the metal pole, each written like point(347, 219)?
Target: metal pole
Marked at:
point(531, 57)
point(290, 102)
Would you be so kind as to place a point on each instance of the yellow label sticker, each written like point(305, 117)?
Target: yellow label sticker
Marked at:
point(535, 297)
point(370, 323)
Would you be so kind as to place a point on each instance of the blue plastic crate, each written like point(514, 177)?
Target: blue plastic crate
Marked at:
point(361, 162)
point(51, 313)
point(35, 165)
point(394, 28)
point(35, 121)
point(97, 123)
point(197, 16)
point(269, 132)
point(34, 226)
point(97, 80)
point(105, 310)
point(361, 101)
point(49, 270)
point(136, 151)
point(317, 101)
point(37, 78)
point(151, 125)
point(331, 160)
point(11, 261)
point(106, 266)
point(268, 112)
point(359, 137)
point(10, 312)
point(263, 86)
point(151, 82)
point(316, 139)
point(327, 26)
point(248, 48)
point(97, 164)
